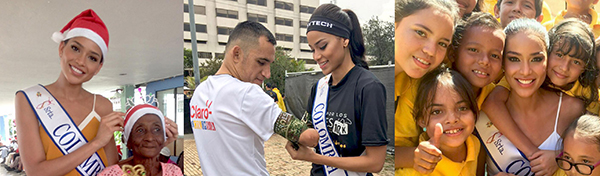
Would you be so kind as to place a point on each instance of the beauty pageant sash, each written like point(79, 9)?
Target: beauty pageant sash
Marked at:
point(503, 155)
point(318, 118)
point(60, 128)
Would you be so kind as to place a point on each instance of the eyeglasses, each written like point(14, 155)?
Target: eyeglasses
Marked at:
point(566, 165)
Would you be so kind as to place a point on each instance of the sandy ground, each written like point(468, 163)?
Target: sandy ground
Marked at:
point(278, 161)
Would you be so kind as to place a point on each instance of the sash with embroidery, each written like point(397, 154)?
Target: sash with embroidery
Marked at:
point(60, 128)
point(318, 118)
point(503, 155)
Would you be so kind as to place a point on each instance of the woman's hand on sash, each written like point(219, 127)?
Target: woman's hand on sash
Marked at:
point(543, 163)
point(108, 125)
point(428, 154)
point(171, 130)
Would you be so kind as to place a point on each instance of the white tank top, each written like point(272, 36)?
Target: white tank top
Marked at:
point(503, 156)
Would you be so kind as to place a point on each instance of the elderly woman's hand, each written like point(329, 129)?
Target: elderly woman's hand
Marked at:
point(171, 130)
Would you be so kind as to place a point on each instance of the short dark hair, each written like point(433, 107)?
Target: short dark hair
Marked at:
point(247, 33)
point(269, 85)
point(537, 3)
point(477, 19)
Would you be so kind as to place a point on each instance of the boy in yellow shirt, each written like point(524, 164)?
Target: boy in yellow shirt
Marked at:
point(546, 12)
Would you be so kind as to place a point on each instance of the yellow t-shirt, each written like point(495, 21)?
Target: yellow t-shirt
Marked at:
point(89, 131)
point(594, 25)
point(447, 167)
point(280, 102)
point(406, 129)
point(547, 14)
point(485, 91)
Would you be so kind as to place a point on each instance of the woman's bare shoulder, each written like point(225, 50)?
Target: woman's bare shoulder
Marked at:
point(103, 105)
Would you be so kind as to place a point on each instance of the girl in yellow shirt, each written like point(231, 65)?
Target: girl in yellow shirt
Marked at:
point(446, 107)
point(420, 47)
point(476, 51)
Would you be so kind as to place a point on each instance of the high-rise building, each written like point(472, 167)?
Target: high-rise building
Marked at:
point(215, 19)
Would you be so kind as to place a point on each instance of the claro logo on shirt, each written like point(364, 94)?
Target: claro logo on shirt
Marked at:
point(200, 116)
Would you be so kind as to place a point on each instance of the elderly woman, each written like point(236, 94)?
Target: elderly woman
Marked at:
point(144, 134)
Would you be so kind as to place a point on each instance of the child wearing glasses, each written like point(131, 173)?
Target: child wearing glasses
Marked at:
point(581, 147)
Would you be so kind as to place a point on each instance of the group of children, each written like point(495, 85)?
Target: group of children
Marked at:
point(489, 87)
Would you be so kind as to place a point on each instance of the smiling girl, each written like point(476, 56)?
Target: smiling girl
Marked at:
point(446, 107)
point(420, 46)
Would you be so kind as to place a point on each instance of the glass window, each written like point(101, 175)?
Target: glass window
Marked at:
point(306, 9)
point(257, 2)
point(186, 27)
point(205, 55)
point(284, 21)
point(309, 61)
point(284, 37)
point(200, 10)
point(279, 5)
point(262, 2)
point(222, 30)
point(257, 17)
point(200, 28)
point(227, 13)
point(303, 24)
point(284, 5)
point(221, 13)
point(232, 14)
point(303, 39)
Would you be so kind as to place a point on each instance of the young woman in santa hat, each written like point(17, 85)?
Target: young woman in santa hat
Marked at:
point(63, 129)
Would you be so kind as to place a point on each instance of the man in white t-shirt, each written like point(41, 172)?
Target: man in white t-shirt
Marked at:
point(232, 116)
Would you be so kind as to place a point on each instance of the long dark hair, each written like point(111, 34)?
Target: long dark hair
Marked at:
point(574, 38)
point(349, 19)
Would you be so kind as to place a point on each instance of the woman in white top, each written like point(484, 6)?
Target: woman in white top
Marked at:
point(540, 111)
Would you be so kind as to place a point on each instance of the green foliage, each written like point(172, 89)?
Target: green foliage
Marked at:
point(210, 66)
point(188, 61)
point(207, 68)
point(283, 62)
point(379, 41)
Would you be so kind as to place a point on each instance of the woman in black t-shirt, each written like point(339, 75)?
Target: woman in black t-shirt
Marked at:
point(348, 103)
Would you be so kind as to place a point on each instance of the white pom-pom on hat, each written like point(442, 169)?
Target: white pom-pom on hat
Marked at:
point(87, 24)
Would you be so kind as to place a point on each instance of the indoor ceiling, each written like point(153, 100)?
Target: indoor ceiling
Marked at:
point(146, 42)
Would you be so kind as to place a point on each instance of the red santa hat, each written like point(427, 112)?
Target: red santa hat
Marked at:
point(87, 24)
point(135, 113)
